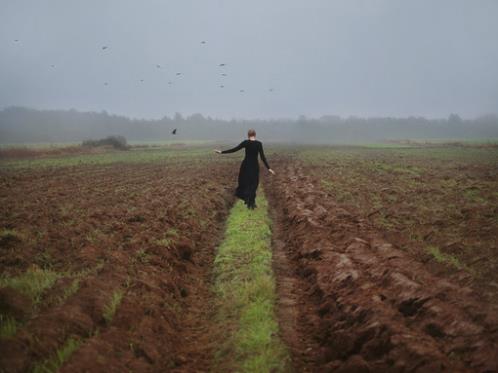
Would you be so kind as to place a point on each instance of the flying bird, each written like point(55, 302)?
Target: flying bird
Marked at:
point(174, 132)
point(141, 80)
point(203, 42)
point(223, 74)
point(178, 74)
point(52, 65)
point(106, 83)
point(271, 89)
point(241, 91)
point(16, 40)
point(222, 64)
point(104, 47)
point(170, 82)
point(222, 86)
point(158, 66)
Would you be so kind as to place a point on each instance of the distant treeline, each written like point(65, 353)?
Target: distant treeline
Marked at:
point(23, 125)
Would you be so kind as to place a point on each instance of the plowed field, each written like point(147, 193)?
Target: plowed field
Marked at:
point(126, 251)
point(385, 260)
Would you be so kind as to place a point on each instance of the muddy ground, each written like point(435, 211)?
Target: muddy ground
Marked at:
point(148, 231)
point(351, 301)
point(355, 294)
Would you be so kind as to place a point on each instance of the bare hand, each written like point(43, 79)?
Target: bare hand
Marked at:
point(271, 171)
point(217, 151)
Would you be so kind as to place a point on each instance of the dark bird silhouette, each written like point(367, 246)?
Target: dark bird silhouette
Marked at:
point(222, 64)
point(104, 47)
point(170, 82)
point(178, 74)
point(141, 80)
point(203, 42)
point(222, 86)
point(106, 83)
point(271, 89)
point(174, 132)
point(223, 74)
point(52, 65)
point(16, 40)
point(241, 91)
point(158, 66)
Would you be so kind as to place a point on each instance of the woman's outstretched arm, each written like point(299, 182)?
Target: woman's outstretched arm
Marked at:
point(263, 158)
point(233, 150)
point(262, 155)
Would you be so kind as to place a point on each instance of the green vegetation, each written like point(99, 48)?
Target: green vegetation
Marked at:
point(245, 288)
point(444, 258)
point(44, 260)
point(117, 142)
point(166, 242)
point(8, 326)
point(169, 237)
point(111, 308)
point(9, 235)
point(172, 232)
point(53, 364)
point(31, 283)
point(142, 256)
point(70, 290)
point(134, 155)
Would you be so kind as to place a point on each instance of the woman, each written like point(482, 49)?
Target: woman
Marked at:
point(249, 169)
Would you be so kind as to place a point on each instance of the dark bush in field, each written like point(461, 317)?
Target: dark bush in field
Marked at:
point(117, 142)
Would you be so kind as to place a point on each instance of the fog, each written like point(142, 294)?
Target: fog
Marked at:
point(313, 58)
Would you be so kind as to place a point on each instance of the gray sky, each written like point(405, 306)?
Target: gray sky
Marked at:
point(349, 57)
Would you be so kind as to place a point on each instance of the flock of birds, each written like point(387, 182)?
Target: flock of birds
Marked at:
point(158, 66)
point(178, 74)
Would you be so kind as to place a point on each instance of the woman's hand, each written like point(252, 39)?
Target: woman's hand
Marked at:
point(217, 151)
point(271, 171)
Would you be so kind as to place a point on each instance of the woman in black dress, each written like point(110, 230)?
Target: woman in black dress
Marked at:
point(249, 169)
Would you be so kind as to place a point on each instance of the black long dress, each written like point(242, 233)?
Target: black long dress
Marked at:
point(249, 170)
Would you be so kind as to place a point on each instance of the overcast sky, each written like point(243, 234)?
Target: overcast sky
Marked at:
point(348, 57)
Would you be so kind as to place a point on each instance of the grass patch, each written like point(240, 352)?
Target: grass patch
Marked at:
point(60, 357)
point(31, 283)
point(444, 258)
point(8, 326)
point(112, 306)
point(172, 232)
point(170, 236)
point(142, 256)
point(70, 290)
point(165, 242)
point(245, 288)
point(8, 236)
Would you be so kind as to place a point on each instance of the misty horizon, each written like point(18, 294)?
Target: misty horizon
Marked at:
point(23, 125)
point(229, 119)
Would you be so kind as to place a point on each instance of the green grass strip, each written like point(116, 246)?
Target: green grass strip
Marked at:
point(245, 289)
point(59, 358)
point(111, 307)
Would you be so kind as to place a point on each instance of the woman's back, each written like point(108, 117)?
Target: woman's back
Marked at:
point(252, 149)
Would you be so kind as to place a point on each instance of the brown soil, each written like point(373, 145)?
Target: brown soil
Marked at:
point(351, 296)
point(148, 231)
point(353, 302)
point(441, 201)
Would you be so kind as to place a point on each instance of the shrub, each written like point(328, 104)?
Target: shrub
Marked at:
point(117, 142)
